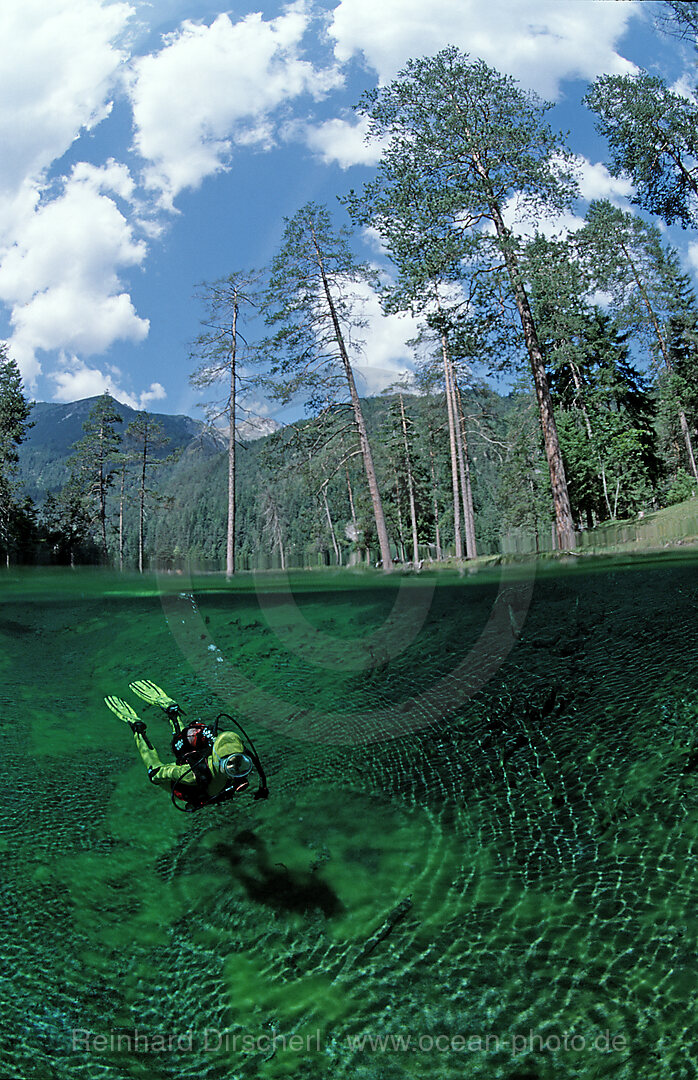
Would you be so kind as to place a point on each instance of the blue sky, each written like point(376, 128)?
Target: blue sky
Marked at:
point(147, 147)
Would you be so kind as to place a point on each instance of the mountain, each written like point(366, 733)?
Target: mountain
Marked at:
point(276, 500)
point(57, 427)
point(257, 428)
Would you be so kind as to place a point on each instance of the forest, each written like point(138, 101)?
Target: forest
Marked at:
point(553, 383)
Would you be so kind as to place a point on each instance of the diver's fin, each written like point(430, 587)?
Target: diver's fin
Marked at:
point(122, 709)
point(151, 693)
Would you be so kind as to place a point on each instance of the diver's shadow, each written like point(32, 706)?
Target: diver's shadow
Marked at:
point(274, 884)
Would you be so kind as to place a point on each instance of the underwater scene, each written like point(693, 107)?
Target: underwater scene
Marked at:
point(477, 858)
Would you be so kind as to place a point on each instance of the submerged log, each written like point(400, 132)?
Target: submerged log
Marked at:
point(394, 917)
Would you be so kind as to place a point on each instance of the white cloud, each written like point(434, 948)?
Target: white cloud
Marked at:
point(59, 63)
point(375, 241)
point(212, 86)
point(685, 88)
point(554, 227)
point(76, 381)
point(156, 393)
point(62, 245)
point(385, 355)
point(539, 42)
point(600, 298)
point(596, 182)
point(343, 142)
point(60, 272)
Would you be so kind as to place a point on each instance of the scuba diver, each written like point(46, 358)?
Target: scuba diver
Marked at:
point(210, 767)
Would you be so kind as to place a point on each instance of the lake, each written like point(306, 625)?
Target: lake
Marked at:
point(477, 858)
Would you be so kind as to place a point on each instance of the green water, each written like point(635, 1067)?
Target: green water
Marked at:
point(515, 753)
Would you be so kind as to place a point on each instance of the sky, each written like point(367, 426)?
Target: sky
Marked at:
point(148, 147)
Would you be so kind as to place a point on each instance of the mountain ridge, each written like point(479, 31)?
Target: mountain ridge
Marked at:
point(57, 426)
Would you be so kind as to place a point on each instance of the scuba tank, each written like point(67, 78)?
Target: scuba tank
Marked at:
point(192, 746)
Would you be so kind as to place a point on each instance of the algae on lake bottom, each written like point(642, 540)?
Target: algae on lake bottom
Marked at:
point(517, 756)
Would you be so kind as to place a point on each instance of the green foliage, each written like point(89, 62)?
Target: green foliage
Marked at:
point(683, 487)
point(606, 424)
point(625, 257)
point(16, 515)
point(93, 464)
point(14, 412)
point(682, 347)
point(653, 138)
point(523, 495)
point(312, 302)
point(67, 526)
point(461, 139)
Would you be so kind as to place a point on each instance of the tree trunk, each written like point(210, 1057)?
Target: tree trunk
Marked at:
point(398, 504)
point(354, 520)
point(141, 499)
point(102, 494)
point(464, 468)
point(685, 431)
point(558, 482)
point(410, 485)
point(121, 520)
point(335, 545)
point(435, 502)
point(452, 440)
point(230, 539)
point(378, 514)
point(604, 484)
point(587, 423)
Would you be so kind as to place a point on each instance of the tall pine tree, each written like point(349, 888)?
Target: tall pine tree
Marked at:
point(93, 464)
point(461, 141)
point(14, 423)
point(310, 298)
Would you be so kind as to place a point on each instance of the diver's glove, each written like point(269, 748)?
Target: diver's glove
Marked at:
point(262, 793)
point(138, 728)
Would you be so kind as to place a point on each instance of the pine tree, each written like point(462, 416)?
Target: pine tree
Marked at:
point(14, 424)
point(652, 133)
point(146, 435)
point(221, 349)
point(310, 299)
point(626, 257)
point(606, 420)
point(94, 464)
point(462, 140)
point(68, 523)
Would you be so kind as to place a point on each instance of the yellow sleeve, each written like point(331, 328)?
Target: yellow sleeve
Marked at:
point(159, 773)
